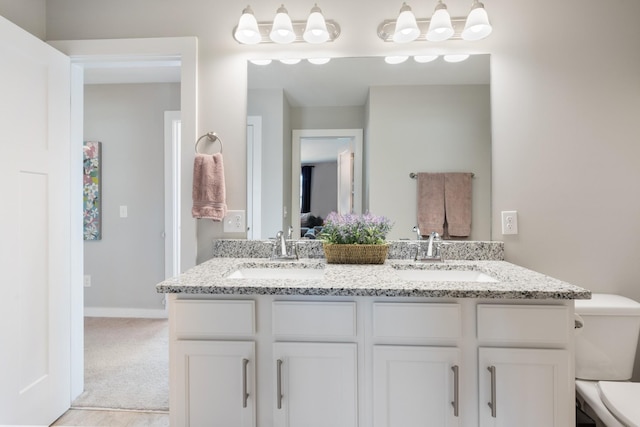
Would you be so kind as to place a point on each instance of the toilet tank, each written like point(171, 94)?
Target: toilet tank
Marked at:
point(606, 344)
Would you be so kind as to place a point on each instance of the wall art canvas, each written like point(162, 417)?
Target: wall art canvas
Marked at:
point(92, 197)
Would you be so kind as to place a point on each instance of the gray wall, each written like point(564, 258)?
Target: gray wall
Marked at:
point(327, 117)
point(128, 262)
point(324, 188)
point(442, 129)
point(30, 15)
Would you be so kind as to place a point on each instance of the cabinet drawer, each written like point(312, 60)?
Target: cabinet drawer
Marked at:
point(523, 324)
point(314, 319)
point(416, 320)
point(201, 319)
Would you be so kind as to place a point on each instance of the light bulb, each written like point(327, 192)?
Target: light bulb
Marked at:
point(406, 26)
point(423, 59)
point(319, 61)
point(282, 29)
point(316, 30)
point(396, 59)
point(440, 27)
point(477, 25)
point(247, 31)
point(459, 57)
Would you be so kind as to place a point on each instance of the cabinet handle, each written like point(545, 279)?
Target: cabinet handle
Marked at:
point(279, 382)
point(456, 391)
point(492, 404)
point(245, 395)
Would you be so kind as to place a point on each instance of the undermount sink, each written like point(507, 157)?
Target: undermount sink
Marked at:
point(276, 273)
point(445, 275)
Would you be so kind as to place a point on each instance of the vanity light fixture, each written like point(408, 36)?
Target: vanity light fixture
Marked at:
point(406, 26)
point(290, 61)
point(282, 30)
point(396, 59)
point(423, 59)
point(261, 61)
point(319, 61)
point(458, 57)
point(441, 26)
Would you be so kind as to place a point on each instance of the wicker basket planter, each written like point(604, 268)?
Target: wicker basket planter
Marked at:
point(355, 254)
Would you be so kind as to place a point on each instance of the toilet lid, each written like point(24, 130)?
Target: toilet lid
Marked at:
point(621, 398)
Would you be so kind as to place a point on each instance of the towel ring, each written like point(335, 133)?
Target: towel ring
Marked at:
point(212, 137)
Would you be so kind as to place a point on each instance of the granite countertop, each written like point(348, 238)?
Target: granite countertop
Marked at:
point(513, 282)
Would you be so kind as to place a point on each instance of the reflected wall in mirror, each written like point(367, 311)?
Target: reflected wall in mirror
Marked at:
point(432, 117)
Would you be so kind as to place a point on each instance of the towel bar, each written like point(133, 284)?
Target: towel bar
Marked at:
point(212, 137)
point(414, 175)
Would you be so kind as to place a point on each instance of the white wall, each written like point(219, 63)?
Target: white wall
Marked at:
point(441, 128)
point(328, 117)
point(128, 262)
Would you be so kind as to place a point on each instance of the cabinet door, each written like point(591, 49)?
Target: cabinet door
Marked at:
point(415, 386)
point(315, 385)
point(215, 384)
point(525, 388)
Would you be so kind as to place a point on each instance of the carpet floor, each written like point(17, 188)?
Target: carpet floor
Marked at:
point(126, 364)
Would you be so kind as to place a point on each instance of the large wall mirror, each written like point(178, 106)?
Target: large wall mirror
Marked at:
point(412, 117)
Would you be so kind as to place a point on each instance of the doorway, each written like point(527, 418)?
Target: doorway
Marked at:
point(128, 51)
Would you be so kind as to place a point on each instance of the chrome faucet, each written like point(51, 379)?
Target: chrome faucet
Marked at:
point(434, 247)
point(283, 248)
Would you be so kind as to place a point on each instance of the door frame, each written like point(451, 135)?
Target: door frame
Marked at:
point(356, 136)
point(84, 51)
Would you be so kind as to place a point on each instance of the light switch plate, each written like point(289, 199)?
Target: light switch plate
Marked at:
point(235, 222)
point(509, 222)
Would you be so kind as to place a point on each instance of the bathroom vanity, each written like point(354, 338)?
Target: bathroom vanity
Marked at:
point(303, 343)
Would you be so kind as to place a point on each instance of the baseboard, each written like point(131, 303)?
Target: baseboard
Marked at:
point(147, 313)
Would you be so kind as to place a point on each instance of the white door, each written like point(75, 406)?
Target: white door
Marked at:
point(524, 388)
point(412, 384)
point(35, 229)
point(219, 384)
point(315, 385)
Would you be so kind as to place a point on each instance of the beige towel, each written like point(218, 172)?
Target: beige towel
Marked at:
point(209, 194)
point(457, 201)
point(430, 203)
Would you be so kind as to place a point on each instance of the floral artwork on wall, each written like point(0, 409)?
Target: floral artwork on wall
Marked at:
point(92, 194)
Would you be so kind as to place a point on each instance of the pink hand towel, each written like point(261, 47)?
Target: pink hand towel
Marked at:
point(457, 195)
point(430, 203)
point(209, 194)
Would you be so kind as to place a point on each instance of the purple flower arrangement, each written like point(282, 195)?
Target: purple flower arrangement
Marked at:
point(356, 229)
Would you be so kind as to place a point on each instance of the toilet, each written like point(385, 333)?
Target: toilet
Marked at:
point(605, 353)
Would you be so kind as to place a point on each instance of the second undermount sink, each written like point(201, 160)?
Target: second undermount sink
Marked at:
point(427, 275)
point(276, 273)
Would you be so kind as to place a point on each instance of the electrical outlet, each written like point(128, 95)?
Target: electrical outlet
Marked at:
point(87, 281)
point(235, 222)
point(509, 222)
point(123, 212)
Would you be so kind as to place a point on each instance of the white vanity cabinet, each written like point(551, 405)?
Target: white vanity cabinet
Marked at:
point(519, 384)
point(414, 379)
point(307, 361)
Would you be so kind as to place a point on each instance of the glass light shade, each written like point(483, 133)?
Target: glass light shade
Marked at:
point(282, 29)
point(393, 60)
point(440, 27)
point(423, 59)
point(290, 61)
point(316, 30)
point(477, 26)
point(260, 61)
point(319, 61)
point(406, 26)
point(455, 57)
point(247, 31)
